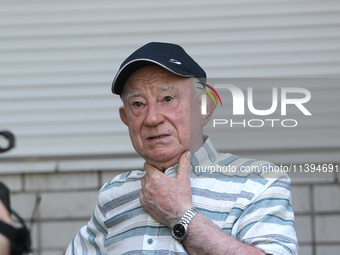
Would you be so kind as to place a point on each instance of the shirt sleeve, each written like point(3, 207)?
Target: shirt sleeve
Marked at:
point(268, 221)
point(90, 238)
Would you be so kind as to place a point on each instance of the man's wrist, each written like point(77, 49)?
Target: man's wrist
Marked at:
point(180, 229)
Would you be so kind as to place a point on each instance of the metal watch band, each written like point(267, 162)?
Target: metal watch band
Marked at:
point(187, 217)
point(185, 220)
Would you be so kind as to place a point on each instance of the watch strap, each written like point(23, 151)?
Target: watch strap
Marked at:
point(185, 220)
point(189, 215)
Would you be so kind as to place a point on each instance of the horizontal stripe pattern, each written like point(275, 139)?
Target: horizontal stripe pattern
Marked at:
point(255, 208)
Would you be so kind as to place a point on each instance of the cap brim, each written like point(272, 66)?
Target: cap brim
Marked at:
point(132, 66)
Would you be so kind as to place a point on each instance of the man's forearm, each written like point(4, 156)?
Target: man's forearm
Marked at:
point(206, 238)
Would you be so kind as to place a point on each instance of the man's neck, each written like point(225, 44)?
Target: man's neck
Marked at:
point(162, 166)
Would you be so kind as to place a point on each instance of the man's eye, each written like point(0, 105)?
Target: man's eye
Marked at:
point(167, 99)
point(137, 104)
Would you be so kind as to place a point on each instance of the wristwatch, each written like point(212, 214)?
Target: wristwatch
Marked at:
point(180, 229)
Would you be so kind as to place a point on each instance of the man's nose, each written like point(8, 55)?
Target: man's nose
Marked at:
point(154, 115)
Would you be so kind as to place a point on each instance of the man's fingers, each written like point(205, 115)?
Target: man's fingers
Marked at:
point(182, 170)
point(150, 168)
point(183, 166)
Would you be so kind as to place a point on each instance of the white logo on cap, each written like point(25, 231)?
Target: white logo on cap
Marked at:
point(175, 61)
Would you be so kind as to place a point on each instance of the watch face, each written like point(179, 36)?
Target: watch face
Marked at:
point(178, 230)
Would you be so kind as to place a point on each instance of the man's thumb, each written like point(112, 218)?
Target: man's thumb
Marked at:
point(183, 166)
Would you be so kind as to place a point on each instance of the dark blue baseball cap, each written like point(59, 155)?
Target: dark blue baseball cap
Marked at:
point(167, 55)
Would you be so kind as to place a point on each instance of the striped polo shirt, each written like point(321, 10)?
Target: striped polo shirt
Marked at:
point(246, 198)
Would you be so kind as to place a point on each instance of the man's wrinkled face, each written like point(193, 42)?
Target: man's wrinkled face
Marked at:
point(157, 111)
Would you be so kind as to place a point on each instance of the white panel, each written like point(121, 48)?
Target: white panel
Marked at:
point(58, 59)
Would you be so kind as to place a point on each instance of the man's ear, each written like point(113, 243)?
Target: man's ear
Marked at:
point(122, 115)
point(210, 109)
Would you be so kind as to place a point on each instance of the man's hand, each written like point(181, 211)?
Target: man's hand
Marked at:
point(166, 199)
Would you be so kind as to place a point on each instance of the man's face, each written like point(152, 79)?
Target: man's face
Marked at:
point(157, 111)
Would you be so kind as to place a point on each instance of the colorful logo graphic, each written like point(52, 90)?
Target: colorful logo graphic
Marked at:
point(204, 98)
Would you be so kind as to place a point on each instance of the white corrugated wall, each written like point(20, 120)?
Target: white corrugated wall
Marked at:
point(57, 61)
point(58, 58)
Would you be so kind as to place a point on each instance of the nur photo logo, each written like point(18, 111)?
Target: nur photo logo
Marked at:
point(238, 104)
point(204, 97)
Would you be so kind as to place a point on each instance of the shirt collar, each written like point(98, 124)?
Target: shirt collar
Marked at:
point(205, 156)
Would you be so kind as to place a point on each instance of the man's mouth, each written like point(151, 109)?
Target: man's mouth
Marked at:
point(157, 137)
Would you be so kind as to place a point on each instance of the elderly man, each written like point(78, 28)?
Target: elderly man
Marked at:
point(168, 208)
